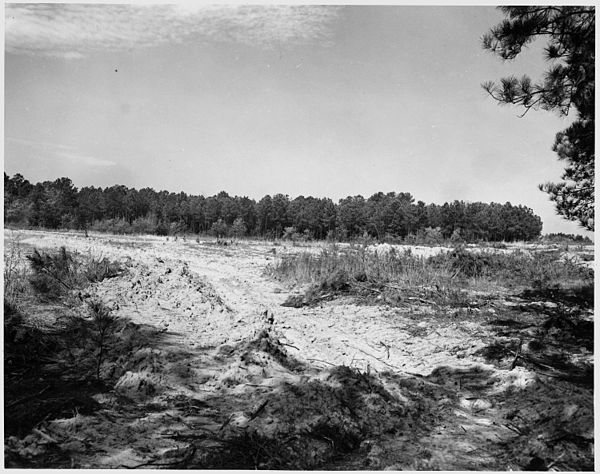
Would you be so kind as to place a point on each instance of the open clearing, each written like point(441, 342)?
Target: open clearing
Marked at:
point(216, 373)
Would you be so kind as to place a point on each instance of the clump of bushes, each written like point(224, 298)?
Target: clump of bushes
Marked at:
point(238, 228)
point(562, 238)
point(467, 264)
point(219, 229)
point(427, 236)
point(113, 226)
point(141, 225)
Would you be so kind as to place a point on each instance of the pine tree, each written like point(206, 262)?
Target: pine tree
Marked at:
point(569, 83)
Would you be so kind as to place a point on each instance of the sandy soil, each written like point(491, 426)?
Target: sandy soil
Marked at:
point(231, 374)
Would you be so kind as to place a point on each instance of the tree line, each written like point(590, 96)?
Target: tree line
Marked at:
point(59, 204)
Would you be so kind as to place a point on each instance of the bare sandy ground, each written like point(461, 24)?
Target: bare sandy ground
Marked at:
point(228, 359)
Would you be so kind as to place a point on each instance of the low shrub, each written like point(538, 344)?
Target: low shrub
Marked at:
point(96, 270)
point(162, 229)
point(112, 226)
point(55, 274)
point(465, 263)
point(337, 281)
point(177, 228)
point(144, 225)
point(219, 229)
point(103, 330)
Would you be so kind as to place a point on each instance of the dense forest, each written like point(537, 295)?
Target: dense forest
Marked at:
point(392, 216)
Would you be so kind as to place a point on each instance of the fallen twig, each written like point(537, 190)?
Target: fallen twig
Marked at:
point(259, 410)
point(180, 420)
point(366, 287)
point(387, 348)
point(324, 361)
point(389, 365)
point(421, 300)
point(226, 422)
point(47, 437)
point(289, 345)
point(513, 428)
point(517, 355)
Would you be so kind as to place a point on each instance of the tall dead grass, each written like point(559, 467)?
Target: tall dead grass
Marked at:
point(360, 271)
point(360, 265)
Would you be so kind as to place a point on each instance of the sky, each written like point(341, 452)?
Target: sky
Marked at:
point(324, 101)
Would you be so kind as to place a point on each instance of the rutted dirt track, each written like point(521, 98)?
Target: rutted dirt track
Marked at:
point(230, 372)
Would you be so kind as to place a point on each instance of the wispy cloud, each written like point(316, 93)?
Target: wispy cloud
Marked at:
point(60, 151)
point(84, 159)
point(72, 31)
